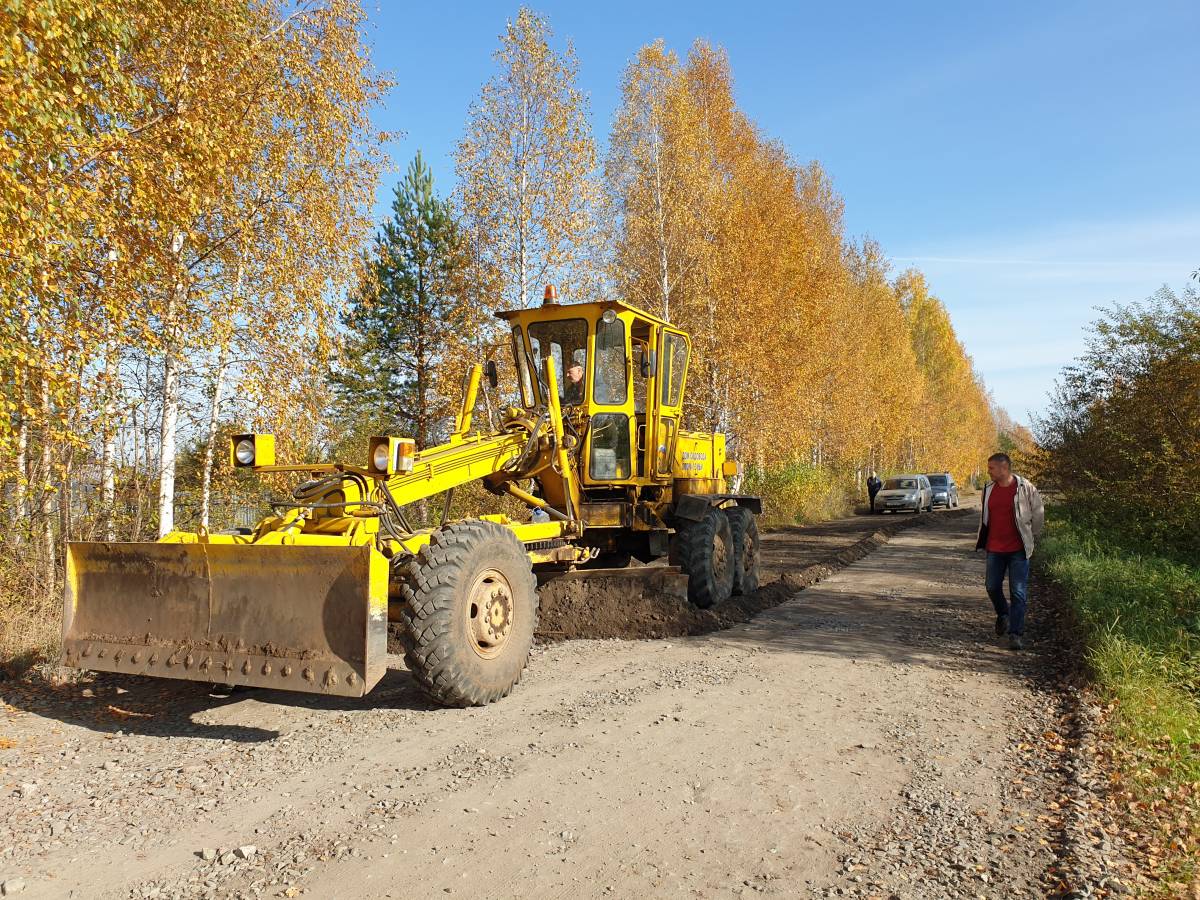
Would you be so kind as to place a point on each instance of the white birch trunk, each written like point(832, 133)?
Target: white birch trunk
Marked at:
point(169, 422)
point(22, 486)
point(47, 499)
point(660, 216)
point(166, 442)
point(138, 443)
point(108, 456)
point(522, 196)
point(522, 251)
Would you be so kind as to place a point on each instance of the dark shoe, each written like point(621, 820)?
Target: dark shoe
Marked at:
point(1001, 625)
point(1016, 642)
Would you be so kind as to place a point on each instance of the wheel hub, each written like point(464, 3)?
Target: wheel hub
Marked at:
point(720, 554)
point(490, 613)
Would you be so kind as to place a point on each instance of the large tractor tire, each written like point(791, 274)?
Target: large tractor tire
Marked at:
point(743, 527)
point(470, 608)
point(704, 552)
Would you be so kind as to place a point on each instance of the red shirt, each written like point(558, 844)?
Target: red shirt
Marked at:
point(1002, 535)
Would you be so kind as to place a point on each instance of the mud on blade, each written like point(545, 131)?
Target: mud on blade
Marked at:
point(301, 618)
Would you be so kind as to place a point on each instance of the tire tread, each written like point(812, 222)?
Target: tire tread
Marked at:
point(742, 520)
point(428, 582)
point(692, 552)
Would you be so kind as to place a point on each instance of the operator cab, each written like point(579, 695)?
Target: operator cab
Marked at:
point(620, 373)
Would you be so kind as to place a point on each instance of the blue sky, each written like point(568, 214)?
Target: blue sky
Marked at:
point(1034, 160)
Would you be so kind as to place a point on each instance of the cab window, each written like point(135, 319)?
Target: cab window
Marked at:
point(674, 366)
point(610, 447)
point(641, 355)
point(609, 386)
point(565, 342)
point(524, 377)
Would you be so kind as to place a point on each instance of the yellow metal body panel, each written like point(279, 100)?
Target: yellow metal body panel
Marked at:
point(700, 455)
point(454, 464)
point(700, 464)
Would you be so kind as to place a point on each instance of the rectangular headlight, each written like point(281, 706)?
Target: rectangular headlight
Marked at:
point(392, 455)
point(249, 450)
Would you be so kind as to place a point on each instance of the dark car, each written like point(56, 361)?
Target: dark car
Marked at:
point(945, 491)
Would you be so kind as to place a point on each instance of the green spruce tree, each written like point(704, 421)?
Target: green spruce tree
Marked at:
point(411, 321)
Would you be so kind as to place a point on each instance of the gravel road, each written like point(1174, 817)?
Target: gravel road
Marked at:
point(867, 737)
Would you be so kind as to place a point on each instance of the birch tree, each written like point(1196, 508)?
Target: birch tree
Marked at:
point(136, 137)
point(648, 175)
point(526, 167)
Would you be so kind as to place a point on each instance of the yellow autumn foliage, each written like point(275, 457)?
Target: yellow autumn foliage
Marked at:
point(806, 351)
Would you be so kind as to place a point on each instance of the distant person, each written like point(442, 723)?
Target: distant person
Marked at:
point(573, 394)
point(1010, 520)
point(873, 486)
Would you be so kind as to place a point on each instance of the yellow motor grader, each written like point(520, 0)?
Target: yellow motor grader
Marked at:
point(303, 601)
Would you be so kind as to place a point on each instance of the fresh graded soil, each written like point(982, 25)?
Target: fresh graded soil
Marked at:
point(619, 606)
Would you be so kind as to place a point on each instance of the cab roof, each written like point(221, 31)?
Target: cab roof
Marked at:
point(594, 306)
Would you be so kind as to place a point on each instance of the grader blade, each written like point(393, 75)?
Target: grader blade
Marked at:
point(300, 618)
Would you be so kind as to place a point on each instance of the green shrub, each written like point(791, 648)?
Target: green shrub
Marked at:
point(798, 493)
point(1119, 438)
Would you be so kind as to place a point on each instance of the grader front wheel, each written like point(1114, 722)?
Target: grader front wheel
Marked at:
point(469, 613)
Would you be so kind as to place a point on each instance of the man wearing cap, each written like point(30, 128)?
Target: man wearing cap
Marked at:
point(573, 390)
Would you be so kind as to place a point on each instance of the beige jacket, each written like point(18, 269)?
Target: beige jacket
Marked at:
point(1031, 515)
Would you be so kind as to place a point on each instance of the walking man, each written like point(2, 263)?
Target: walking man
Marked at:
point(873, 486)
point(1010, 521)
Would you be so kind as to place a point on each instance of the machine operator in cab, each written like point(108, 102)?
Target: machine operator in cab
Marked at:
point(573, 390)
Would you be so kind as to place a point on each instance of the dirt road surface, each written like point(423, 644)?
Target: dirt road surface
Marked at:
point(869, 736)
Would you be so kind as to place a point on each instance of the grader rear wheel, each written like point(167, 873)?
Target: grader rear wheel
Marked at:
point(469, 613)
point(743, 527)
point(704, 552)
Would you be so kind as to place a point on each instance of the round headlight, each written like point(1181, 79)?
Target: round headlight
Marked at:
point(379, 459)
point(609, 316)
point(245, 451)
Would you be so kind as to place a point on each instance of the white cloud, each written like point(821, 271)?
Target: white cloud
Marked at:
point(1163, 248)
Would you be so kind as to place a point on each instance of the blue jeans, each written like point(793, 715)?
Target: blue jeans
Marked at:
point(1017, 568)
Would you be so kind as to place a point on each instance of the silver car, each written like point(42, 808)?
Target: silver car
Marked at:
point(905, 492)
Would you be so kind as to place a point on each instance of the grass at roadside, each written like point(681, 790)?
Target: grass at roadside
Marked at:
point(30, 615)
point(1140, 613)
